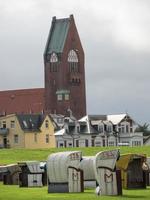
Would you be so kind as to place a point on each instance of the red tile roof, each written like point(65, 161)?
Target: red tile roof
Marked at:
point(22, 101)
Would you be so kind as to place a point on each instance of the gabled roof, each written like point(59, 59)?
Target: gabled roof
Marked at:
point(85, 128)
point(57, 35)
point(93, 117)
point(56, 127)
point(60, 132)
point(89, 129)
point(116, 119)
point(55, 116)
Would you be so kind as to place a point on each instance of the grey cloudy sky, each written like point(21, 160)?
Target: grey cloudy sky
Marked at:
point(115, 35)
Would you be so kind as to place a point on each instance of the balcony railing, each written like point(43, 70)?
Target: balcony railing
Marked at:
point(4, 131)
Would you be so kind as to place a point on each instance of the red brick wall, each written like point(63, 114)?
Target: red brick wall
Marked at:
point(77, 102)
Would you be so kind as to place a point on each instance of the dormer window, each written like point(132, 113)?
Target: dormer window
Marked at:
point(73, 61)
point(101, 128)
point(109, 128)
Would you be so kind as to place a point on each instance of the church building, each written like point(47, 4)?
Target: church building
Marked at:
point(64, 69)
point(64, 77)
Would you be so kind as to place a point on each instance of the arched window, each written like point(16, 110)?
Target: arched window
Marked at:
point(53, 58)
point(53, 62)
point(72, 56)
point(73, 61)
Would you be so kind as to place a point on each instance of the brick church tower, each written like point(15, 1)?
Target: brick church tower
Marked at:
point(64, 69)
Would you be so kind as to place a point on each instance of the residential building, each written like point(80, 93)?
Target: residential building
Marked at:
point(125, 129)
point(99, 130)
point(29, 131)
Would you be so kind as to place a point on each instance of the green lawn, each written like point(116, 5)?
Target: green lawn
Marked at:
point(8, 156)
point(16, 193)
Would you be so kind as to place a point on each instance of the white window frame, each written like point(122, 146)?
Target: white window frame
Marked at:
point(12, 124)
point(67, 97)
point(59, 97)
point(16, 138)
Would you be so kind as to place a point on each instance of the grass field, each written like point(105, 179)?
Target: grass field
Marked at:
point(8, 156)
point(16, 193)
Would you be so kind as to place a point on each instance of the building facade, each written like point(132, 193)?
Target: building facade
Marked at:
point(99, 130)
point(64, 69)
point(29, 131)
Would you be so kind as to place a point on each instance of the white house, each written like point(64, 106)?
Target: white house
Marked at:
point(125, 128)
point(99, 130)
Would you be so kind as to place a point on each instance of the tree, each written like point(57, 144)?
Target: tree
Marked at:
point(144, 129)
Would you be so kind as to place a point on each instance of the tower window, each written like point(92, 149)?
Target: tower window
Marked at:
point(63, 95)
point(66, 97)
point(73, 61)
point(53, 58)
point(59, 97)
point(53, 62)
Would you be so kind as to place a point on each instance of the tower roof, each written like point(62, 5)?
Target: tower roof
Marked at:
point(57, 35)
